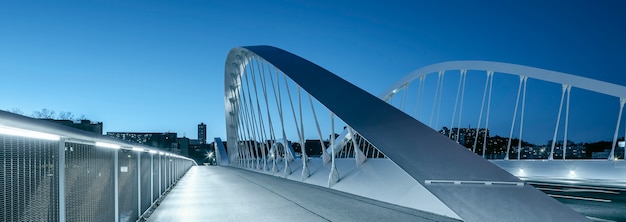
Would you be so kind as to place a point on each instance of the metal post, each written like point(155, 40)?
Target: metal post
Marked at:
point(152, 178)
point(160, 182)
point(61, 174)
point(116, 191)
point(169, 170)
point(138, 184)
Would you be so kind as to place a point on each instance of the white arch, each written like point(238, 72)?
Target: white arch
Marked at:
point(434, 161)
point(513, 69)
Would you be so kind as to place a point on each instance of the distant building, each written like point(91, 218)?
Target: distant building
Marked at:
point(183, 145)
point(574, 150)
point(202, 133)
point(466, 136)
point(314, 148)
point(85, 125)
point(164, 141)
point(200, 152)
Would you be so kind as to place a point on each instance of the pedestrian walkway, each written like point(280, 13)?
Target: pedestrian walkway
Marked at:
point(212, 193)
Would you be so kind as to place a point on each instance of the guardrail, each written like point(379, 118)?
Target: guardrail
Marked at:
point(52, 172)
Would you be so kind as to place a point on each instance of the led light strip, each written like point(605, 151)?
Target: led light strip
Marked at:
point(28, 133)
point(138, 149)
point(5, 130)
point(108, 145)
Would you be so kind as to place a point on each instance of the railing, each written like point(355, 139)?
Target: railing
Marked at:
point(56, 173)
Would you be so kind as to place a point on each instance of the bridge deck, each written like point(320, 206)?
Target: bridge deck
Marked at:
point(209, 193)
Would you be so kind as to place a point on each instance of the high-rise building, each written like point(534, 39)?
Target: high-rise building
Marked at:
point(202, 133)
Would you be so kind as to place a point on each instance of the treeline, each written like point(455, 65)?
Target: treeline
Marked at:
point(50, 114)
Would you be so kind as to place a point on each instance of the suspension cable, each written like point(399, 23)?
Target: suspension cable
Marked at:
point(519, 89)
point(458, 133)
point(619, 119)
point(420, 96)
point(325, 156)
point(279, 106)
point(245, 130)
point(304, 157)
point(274, 153)
point(252, 119)
point(432, 113)
point(488, 109)
point(403, 101)
point(456, 100)
point(293, 111)
point(261, 122)
point(558, 120)
point(480, 117)
point(247, 123)
point(521, 122)
point(419, 84)
point(443, 72)
point(569, 89)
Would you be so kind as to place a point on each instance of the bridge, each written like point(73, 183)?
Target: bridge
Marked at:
point(384, 158)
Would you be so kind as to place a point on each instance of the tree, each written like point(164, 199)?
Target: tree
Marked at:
point(50, 114)
point(82, 117)
point(16, 111)
point(66, 116)
point(44, 114)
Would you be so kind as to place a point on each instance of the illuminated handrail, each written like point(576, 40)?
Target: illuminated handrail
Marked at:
point(51, 170)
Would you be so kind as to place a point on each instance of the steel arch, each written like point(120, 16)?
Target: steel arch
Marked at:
point(473, 188)
point(513, 69)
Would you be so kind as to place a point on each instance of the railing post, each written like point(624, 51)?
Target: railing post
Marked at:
point(61, 174)
point(116, 190)
point(138, 184)
point(151, 178)
point(160, 182)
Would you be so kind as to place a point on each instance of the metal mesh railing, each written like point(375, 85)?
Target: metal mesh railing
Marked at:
point(146, 198)
point(128, 185)
point(155, 176)
point(29, 182)
point(89, 183)
point(63, 178)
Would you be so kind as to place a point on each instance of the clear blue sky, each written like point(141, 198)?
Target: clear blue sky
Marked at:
point(158, 65)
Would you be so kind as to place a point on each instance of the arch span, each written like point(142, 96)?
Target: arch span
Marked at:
point(514, 69)
point(472, 187)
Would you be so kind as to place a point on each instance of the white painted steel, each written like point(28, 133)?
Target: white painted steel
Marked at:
point(513, 69)
point(61, 173)
point(404, 140)
point(116, 189)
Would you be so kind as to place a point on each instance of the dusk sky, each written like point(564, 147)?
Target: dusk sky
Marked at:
point(158, 66)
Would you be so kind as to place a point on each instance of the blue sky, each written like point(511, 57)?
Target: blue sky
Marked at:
point(158, 65)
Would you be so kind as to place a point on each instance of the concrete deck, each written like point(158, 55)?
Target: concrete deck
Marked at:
point(212, 193)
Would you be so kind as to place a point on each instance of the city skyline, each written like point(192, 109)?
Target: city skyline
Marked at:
point(158, 67)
